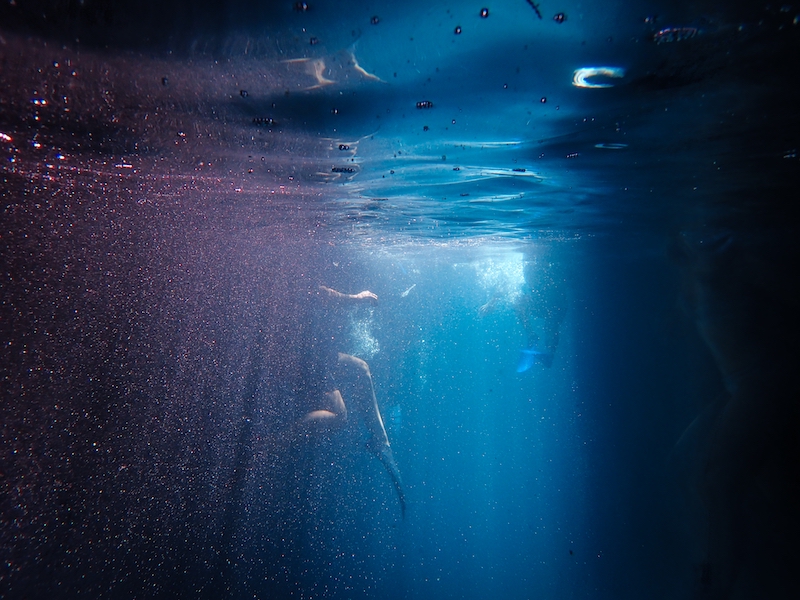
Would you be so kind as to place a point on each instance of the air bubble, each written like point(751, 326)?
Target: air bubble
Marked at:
point(457, 30)
point(560, 18)
point(484, 13)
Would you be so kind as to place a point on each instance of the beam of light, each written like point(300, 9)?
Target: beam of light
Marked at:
point(580, 76)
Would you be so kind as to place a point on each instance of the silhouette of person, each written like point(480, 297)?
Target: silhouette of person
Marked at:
point(741, 303)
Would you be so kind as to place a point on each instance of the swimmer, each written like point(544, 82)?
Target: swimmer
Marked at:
point(361, 400)
point(741, 303)
point(540, 309)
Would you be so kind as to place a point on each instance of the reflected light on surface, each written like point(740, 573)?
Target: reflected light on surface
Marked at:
point(580, 76)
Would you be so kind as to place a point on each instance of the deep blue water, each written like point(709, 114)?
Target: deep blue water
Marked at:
point(179, 178)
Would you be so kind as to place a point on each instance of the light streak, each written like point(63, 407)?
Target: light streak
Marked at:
point(580, 78)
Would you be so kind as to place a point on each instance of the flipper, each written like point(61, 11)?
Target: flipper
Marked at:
point(527, 356)
point(530, 355)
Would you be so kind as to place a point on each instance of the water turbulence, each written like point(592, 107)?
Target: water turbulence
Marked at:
point(323, 300)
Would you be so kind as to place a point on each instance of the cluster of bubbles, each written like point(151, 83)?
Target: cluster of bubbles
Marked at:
point(365, 345)
point(502, 275)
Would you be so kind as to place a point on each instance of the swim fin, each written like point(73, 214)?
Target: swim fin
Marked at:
point(527, 356)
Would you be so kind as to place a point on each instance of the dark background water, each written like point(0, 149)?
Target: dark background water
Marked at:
point(174, 192)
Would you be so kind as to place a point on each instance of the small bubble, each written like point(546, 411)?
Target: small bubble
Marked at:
point(425, 128)
point(457, 30)
point(243, 93)
point(391, 172)
point(505, 86)
point(454, 121)
point(375, 20)
point(560, 18)
point(344, 147)
point(424, 104)
point(484, 13)
point(313, 41)
point(164, 81)
point(334, 111)
point(301, 6)
point(543, 100)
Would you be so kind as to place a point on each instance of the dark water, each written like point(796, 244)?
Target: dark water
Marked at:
point(178, 179)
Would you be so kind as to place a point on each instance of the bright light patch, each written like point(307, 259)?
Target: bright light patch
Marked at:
point(580, 78)
point(500, 274)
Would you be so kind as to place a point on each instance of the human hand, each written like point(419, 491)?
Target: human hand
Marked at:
point(365, 295)
point(487, 308)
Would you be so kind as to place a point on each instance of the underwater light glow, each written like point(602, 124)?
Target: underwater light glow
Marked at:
point(580, 76)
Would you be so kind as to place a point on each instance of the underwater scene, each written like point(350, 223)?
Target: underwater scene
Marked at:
point(399, 300)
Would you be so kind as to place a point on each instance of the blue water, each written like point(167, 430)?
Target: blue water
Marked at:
point(179, 179)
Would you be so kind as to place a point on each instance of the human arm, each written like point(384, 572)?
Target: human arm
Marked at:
point(331, 293)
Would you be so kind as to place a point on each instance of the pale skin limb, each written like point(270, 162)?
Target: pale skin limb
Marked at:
point(365, 295)
point(379, 441)
point(364, 402)
point(329, 418)
point(366, 394)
